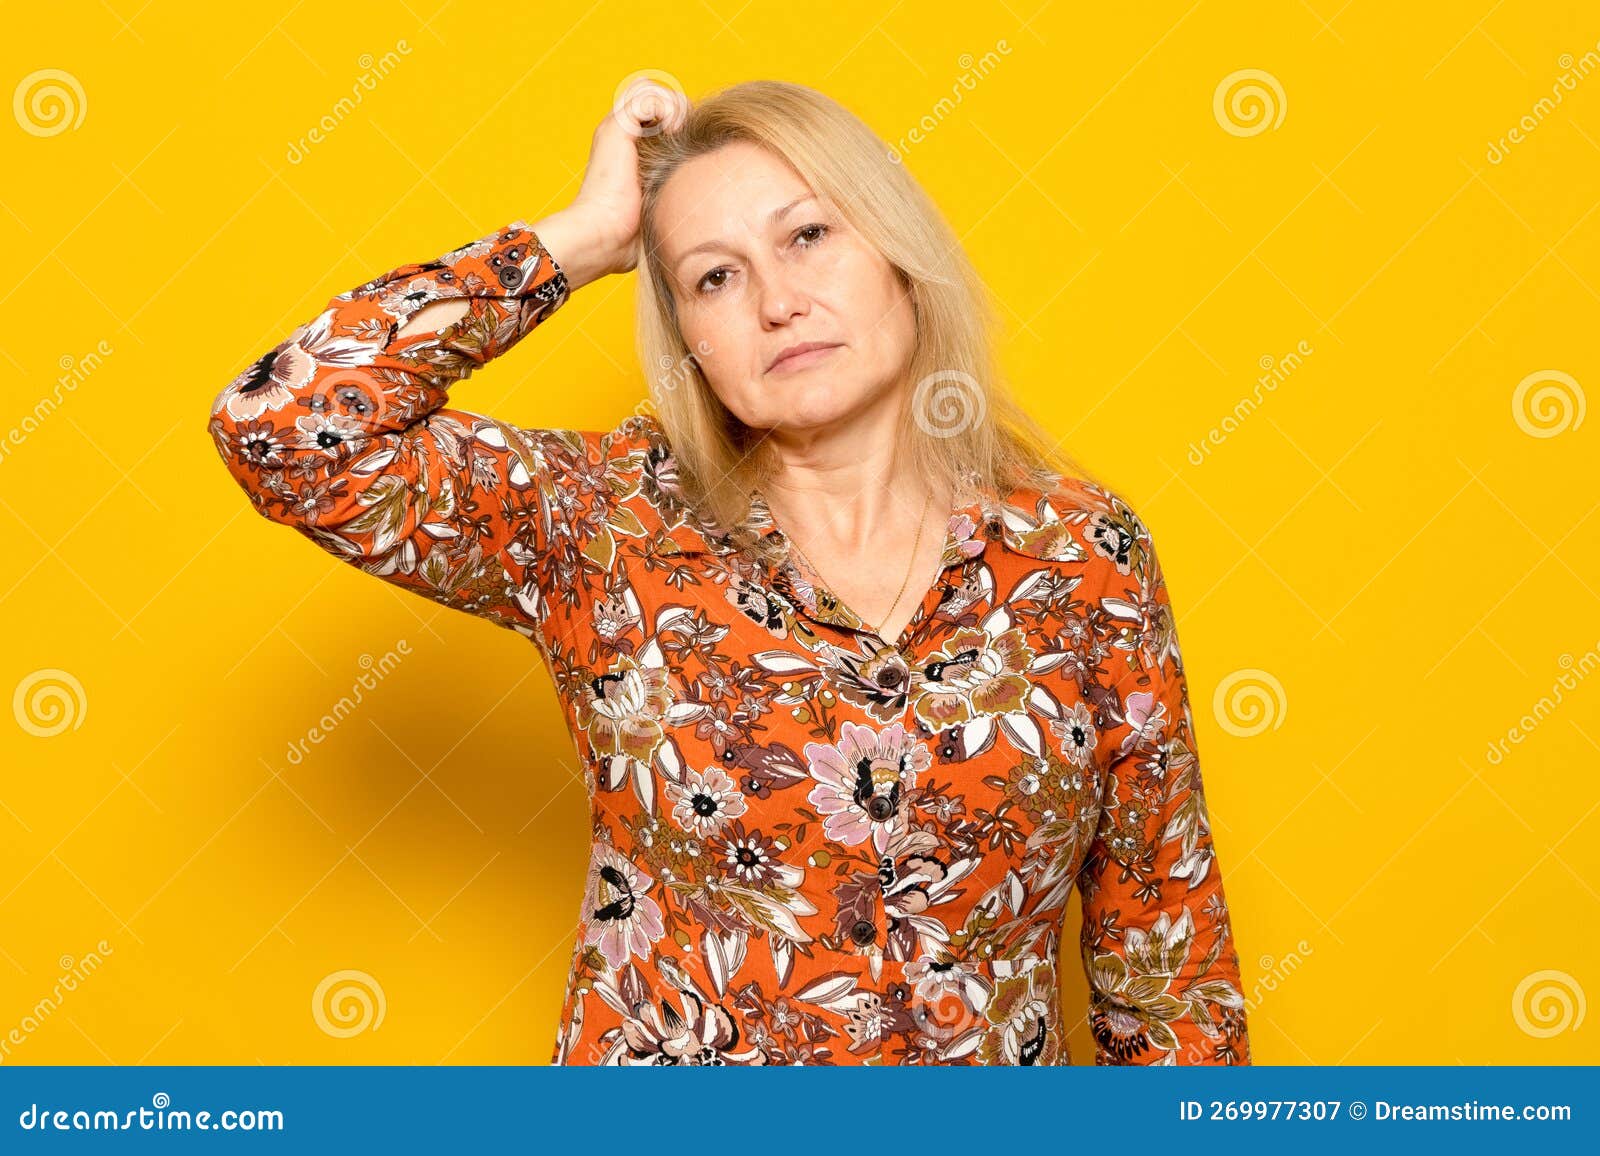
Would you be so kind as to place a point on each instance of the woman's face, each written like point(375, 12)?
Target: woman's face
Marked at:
point(756, 265)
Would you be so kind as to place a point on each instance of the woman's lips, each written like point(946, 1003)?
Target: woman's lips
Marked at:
point(801, 360)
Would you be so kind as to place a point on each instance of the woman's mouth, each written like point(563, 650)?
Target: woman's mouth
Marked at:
point(797, 361)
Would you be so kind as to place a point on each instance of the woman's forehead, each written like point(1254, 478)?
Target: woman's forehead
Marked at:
point(723, 194)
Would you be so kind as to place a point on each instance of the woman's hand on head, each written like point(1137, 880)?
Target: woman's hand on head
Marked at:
point(609, 198)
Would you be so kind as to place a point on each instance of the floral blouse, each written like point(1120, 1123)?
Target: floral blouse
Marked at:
point(809, 845)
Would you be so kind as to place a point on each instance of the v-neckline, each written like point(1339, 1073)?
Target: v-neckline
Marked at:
point(950, 554)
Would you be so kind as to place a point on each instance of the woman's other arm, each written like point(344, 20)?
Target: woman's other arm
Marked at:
point(1157, 942)
point(341, 430)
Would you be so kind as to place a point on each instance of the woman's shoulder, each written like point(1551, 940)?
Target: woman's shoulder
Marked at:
point(638, 475)
point(1079, 520)
point(630, 440)
point(1071, 519)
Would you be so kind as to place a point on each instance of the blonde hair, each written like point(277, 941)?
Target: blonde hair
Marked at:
point(982, 448)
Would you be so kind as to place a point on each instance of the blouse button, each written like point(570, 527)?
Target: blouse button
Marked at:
point(510, 276)
point(863, 932)
point(880, 808)
point(890, 677)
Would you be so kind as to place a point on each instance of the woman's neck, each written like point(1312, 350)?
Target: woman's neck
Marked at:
point(838, 485)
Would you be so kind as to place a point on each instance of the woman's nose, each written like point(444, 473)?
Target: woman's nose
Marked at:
point(782, 297)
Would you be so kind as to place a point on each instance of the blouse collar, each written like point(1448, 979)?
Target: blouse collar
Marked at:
point(973, 528)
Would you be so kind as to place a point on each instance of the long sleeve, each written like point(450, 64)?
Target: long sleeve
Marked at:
point(1157, 943)
point(341, 431)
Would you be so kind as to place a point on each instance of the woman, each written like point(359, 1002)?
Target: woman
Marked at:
point(865, 678)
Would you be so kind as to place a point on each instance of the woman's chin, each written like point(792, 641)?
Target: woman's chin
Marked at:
point(811, 416)
point(811, 421)
point(819, 406)
point(808, 407)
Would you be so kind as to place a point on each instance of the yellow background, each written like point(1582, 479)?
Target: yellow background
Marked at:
point(1402, 558)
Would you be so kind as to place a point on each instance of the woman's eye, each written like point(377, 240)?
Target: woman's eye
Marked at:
point(814, 233)
point(704, 287)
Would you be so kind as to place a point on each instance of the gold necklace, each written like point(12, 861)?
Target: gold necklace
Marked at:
point(910, 564)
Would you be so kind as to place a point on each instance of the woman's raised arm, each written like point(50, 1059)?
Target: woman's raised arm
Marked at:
point(341, 431)
point(571, 240)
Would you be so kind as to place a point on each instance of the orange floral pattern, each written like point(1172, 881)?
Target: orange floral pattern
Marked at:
point(810, 845)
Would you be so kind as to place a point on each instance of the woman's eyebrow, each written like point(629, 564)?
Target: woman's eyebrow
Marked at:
point(772, 218)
